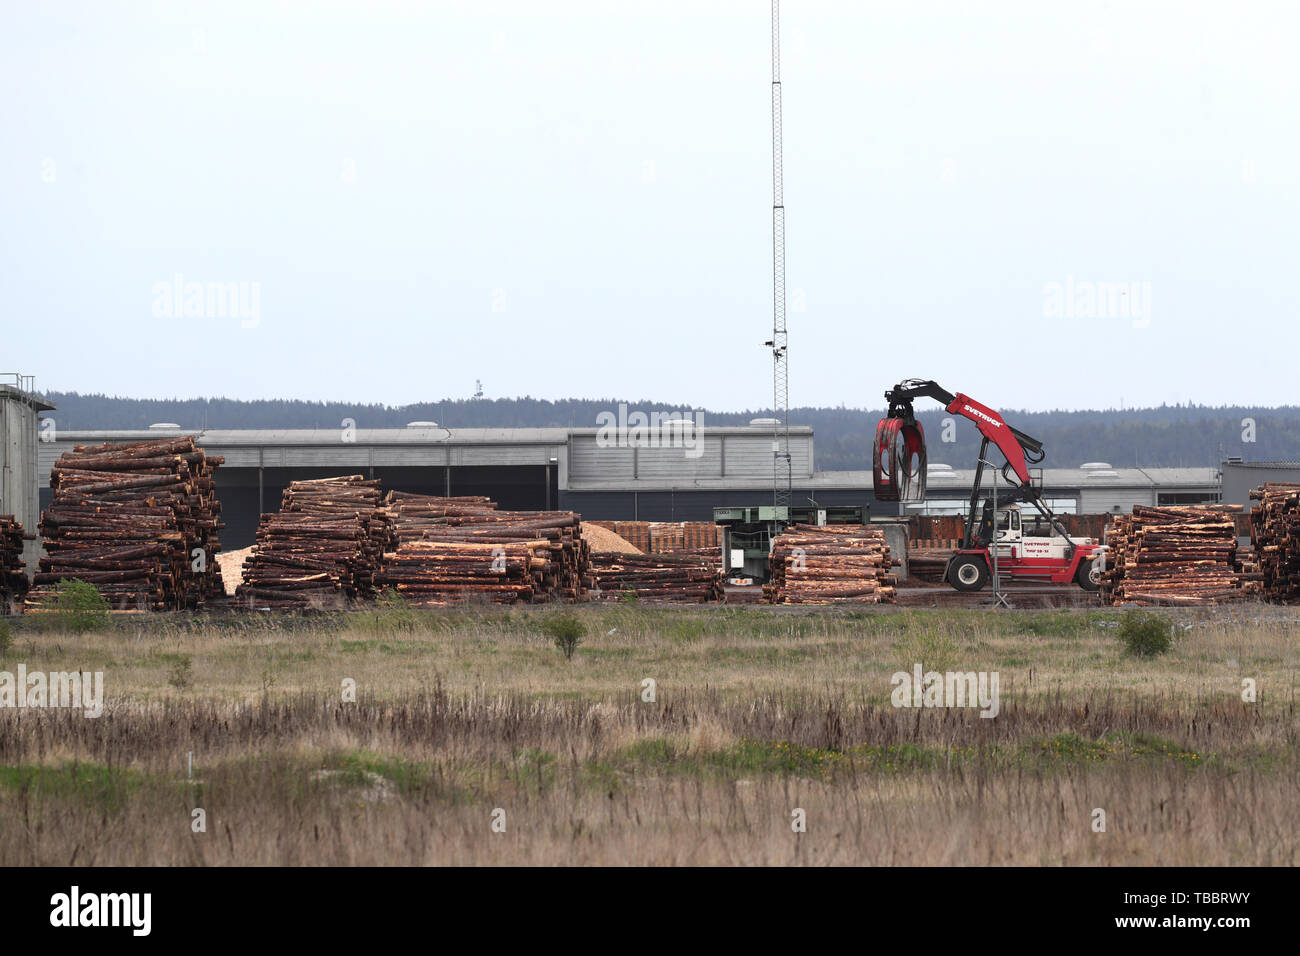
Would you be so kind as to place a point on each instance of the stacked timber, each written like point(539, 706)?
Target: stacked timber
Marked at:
point(1174, 555)
point(831, 564)
point(928, 564)
point(13, 577)
point(350, 497)
point(657, 577)
point(686, 537)
point(450, 550)
point(323, 548)
point(137, 520)
point(413, 514)
point(1275, 537)
point(667, 537)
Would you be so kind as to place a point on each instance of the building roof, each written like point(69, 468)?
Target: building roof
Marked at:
point(27, 398)
point(438, 435)
point(1083, 478)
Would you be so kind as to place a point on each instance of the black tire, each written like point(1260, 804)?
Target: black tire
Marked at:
point(968, 573)
point(1088, 577)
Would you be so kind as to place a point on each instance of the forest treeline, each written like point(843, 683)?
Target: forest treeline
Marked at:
point(1167, 436)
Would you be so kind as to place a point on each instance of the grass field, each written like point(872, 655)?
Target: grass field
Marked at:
point(466, 717)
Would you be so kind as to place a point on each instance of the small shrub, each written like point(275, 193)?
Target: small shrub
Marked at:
point(76, 606)
point(567, 632)
point(181, 671)
point(627, 597)
point(6, 638)
point(934, 650)
point(1145, 634)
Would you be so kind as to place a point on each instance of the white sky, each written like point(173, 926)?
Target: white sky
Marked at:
point(573, 199)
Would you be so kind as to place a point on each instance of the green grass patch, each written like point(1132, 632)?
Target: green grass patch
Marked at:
point(1072, 748)
point(97, 785)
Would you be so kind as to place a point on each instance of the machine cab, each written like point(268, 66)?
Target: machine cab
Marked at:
point(1009, 540)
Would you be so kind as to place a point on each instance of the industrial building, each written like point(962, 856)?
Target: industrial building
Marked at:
point(1239, 477)
point(665, 476)
point(20, 408)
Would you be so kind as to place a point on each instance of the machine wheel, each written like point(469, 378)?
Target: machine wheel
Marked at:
point(1088, 576)
point(968, 573)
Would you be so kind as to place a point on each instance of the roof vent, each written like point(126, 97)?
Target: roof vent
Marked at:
point(165, 426)
point(422, 425)
point(1102, 473)
point(769, 422)
point(1095, 465)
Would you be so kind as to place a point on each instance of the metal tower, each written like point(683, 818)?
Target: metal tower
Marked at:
point(781, 490)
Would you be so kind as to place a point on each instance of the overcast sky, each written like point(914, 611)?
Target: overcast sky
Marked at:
point(573, 200)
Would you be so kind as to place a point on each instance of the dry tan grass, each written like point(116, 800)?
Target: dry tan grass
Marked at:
point(756, 713)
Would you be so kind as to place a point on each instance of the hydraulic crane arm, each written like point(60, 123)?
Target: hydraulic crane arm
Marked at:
point(1019, 449)
point(900, 451)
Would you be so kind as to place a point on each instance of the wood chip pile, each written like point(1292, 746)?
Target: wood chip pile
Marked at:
point(138, 520)
point(667, 537)
point(602, 539)
point(831, 564)
point(657, 577)
point(1275, 535)
point(1174, 555)
point(13, 577)
point(454, 550)
point(322, 548)
point(635, 533)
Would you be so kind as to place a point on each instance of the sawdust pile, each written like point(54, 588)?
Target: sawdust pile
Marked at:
point(605, 541)
point(232, 567)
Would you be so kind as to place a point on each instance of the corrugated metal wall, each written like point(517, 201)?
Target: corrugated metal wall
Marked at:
point(1102, 500)
point(20, 463)
point(717, 455)
point(1239, 479)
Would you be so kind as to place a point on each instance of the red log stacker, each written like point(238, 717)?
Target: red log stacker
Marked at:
point(1028, 547)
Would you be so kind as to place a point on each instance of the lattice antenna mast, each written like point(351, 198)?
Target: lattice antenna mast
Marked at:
point(781, 489)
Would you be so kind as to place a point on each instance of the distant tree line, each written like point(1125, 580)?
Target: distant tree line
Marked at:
point(1167, 436)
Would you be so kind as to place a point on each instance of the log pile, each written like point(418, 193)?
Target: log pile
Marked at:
point(831, 564)
point(13, 577)
point(1173, 555)
point(138, 520)
point(657, 577)
point(928, 564)
point(1275, 537)
point(413, 514)
point(452, 550)
point(323, 548)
